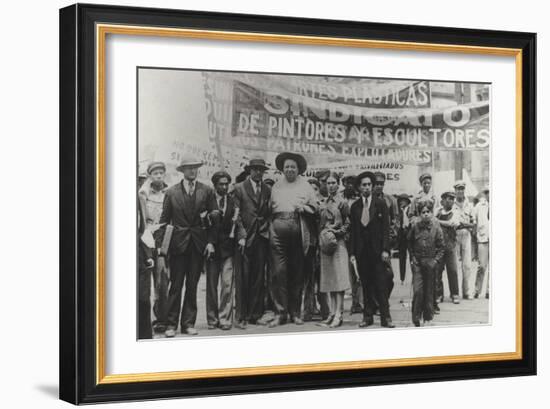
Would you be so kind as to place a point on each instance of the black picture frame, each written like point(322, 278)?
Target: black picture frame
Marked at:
point(78, 236)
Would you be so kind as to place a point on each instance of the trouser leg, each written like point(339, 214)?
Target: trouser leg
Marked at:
point(226, 291)
point(279, 266)
point(189, 314)
point(366, 286)
point(483, 257)
point(402, 259)
point(438, 281)
point(295, 277)
point(177, 278)
point(428, 299)
point(309, 284)
point(452, 271)
point(160, 284)
point(240, 287)
point(212, 277)
point(464, 246)
point(418, 293)
point(356, 289)
point(256, 260)
point(384, 283)
point(144, 305)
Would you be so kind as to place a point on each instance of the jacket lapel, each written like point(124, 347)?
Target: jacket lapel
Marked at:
point(250, 190)
point(181, 198)
point(372, 209)
point(228, 215)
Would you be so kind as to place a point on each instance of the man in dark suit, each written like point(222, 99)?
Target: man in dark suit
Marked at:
point(369, 248)
point(186, 207)
point(252, 199)
point(229, 232)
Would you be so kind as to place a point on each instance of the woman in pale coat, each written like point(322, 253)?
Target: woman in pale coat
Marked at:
point(334, 217)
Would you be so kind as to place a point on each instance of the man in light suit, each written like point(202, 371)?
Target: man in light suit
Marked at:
point(251, 197)
point(186, 207)
point(369, 248)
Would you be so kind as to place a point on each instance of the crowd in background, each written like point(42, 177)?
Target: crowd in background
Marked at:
point(286, 251)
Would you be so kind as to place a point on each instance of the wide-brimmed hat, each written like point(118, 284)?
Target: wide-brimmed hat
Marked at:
point(256, 163)
point(362, 175)
point(424, 176)
point(154, 166)
point(405, 197)
point(189, 161)
point(299, 159)
point(220, 174)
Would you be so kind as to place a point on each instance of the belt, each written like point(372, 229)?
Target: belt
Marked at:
point(286, 215)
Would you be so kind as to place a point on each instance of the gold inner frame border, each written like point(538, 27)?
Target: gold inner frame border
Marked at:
point(102, 30)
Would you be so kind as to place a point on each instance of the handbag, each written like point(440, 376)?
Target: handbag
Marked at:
point(328, 242)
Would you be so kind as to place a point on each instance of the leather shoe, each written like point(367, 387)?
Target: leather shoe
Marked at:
point(213, 326)
point(416, 323)
point(190, 331)
point(241, 324)
point(275, 322)
point(367, 322)
point(264, 320)
point(387, 323)
point(225, 327)
point(170, 333)
point(298, 321)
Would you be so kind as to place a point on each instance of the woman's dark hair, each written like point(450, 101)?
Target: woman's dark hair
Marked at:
point(425, 204)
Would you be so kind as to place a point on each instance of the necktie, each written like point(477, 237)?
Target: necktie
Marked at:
point(257, 189)
point(222, 204)
point(191, 188)
point(365, 214)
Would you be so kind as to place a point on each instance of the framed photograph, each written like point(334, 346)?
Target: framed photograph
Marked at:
point(257, 203)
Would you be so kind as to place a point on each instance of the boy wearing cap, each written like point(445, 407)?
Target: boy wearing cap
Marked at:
point(152, 195)
point(449, 222)
point(426, 193)
point(426, 249)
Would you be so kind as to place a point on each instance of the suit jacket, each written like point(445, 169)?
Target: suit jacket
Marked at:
point(373, 239)
point(254, 211)
point(224, 222)
point(188, 214)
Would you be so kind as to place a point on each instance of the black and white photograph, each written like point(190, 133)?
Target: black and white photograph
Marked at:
point(274, 203)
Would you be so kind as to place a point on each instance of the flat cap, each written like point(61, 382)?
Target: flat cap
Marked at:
point(154, 166)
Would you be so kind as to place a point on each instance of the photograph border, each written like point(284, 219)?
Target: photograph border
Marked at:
point(83, 32)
